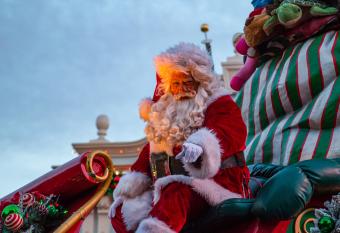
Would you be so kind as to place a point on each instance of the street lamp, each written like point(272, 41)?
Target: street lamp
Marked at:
point(207, 42)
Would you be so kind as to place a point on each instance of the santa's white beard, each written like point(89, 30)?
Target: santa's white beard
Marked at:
point(172, 121)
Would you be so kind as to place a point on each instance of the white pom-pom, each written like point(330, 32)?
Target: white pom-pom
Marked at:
point(145, 108)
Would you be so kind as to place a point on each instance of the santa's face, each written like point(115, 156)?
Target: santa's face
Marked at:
point(183, 86)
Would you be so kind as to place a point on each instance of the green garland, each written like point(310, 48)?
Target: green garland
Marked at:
point(114, 183)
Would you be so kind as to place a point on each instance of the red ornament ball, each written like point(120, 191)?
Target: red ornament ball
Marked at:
point(13, 222)
point(28, 199)
point(116, 179)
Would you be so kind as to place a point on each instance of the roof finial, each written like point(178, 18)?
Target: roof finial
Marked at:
point(102, 123)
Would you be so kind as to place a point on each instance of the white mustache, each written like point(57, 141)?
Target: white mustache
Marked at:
point(182, 95)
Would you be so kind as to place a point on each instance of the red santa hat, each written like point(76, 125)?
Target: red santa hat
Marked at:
point(184, 57)
point(146, 104)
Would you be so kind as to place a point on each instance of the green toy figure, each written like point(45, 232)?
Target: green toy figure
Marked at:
point(291, 13)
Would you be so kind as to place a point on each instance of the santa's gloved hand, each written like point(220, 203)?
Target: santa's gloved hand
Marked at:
point(190, 152)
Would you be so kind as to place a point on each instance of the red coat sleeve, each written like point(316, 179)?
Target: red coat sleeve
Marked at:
point(142, 163)
point(224, 118)
point(223, 134)
point(136, 181)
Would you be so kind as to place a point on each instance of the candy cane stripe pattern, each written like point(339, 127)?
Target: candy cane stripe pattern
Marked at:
point(27, 199)
point(14, 222)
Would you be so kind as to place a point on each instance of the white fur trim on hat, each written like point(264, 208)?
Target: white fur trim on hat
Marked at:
point(136, 209)
point(211, 157)
point(131, 185)
point(153, 225)
point(145, 108)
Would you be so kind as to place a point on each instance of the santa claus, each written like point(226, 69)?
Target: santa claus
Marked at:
point(193, 158)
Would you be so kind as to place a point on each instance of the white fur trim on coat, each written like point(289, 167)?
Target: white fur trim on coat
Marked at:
point(211, 157)
point(217, 94)
point(145, 108)
point(153, 225)
point(136, 209)
point(211, 191)
point(117, 202)
point(131, 185)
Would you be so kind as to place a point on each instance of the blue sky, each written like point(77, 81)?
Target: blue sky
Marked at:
point(64, 62)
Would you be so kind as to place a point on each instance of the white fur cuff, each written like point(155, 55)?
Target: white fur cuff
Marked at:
point(131, 185)
point(136, 209)
point(211, 157)
point(117, 202)
point(153, 225)
point(211, 191)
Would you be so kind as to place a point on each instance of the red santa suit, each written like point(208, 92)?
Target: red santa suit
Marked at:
point(166, 204)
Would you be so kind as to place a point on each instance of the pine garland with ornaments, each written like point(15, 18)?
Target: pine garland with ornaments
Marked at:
point(34, 213)
point(328, 220)
point(114, 182)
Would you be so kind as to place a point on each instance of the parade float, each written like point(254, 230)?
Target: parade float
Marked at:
point(289, 94)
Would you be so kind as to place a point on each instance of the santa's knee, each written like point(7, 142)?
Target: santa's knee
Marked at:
point(175, 187)
point(171, 192)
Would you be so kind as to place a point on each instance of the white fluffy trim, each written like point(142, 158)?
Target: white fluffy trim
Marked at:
point(136, 209)
point(117, 202)
point(131, 185)
point(212, 192)
point(145, 108)
point(219, 92)
point(153, 225)
point(211, 157)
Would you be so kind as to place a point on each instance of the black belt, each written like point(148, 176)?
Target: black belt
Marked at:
point(163, 165)
point(236, 160)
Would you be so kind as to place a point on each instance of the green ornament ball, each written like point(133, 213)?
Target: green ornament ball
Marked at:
point(10, 209)
point(53, 211)
point(326, 224)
